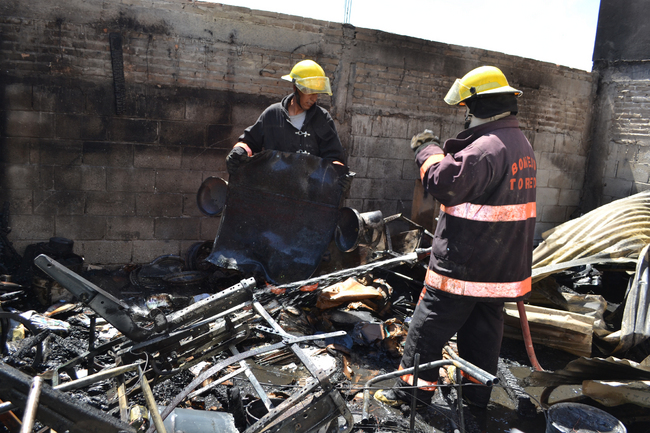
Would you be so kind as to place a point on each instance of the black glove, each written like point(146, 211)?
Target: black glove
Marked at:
point(235, 158)
point(345, 181)
point(423, 139)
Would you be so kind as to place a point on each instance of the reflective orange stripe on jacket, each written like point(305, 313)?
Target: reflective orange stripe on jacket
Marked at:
point(433, 159)
point(477, 212)
point(480, 290)
point(245, 146)
point(424, 385)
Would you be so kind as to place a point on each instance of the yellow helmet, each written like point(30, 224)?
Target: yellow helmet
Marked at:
point(480, 81)
point(309, 77)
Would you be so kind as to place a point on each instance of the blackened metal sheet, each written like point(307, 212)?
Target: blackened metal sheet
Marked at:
point(280, 215)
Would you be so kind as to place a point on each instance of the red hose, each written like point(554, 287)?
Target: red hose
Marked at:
point(528, 341)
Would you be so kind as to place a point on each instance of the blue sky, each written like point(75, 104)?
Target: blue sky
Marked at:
point(556, 31)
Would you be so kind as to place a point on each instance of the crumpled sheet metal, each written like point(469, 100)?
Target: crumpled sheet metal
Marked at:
point(280, 215)
point(635, 326)
point(615, 232)
point(576, 371)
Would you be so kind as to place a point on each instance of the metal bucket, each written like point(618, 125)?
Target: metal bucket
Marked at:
point(354, 229)
point(576, 417)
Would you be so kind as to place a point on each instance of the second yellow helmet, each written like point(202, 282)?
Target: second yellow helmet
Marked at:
point(309, 77)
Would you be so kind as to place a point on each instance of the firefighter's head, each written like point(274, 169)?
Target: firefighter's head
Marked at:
point(485, 92)
point(309, 80)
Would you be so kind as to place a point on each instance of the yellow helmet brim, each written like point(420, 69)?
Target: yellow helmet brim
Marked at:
point(460, 92)
point(313, 85)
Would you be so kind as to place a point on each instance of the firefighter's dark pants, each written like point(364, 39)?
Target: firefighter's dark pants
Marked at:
point(437, 317)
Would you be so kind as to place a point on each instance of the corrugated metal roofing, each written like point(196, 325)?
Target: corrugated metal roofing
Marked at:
point(615, 232)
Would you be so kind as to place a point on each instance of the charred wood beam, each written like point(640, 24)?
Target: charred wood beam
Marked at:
point(56, 409)
point(520, 398)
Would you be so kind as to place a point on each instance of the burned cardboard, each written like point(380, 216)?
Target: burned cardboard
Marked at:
point(345, 292)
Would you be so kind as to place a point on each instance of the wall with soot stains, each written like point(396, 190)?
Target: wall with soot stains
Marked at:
point(112, 113)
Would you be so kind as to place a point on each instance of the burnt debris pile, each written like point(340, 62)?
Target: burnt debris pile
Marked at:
point(182, 344)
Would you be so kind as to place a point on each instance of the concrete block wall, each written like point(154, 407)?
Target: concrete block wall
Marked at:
point(620, 163)
point(123, 189)
point(121, 181)
point(619, 157)
point(391, 103)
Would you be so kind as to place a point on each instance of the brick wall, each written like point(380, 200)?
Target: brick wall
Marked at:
point(116, 169)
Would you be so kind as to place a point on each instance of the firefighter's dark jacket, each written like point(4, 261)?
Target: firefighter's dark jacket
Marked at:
point(274, 131)
point(485, 181)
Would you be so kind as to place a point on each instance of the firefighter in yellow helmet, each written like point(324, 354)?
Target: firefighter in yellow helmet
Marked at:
point(481, 255)
point(296, 124)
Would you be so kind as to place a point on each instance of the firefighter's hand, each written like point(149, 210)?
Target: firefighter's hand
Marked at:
point(235, 158)
point(423, 139)
point(345, 176)
point(345, 181)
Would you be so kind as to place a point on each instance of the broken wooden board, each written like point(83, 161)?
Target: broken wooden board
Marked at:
point(559, 329)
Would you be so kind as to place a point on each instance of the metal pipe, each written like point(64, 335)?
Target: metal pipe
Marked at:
point(10, 421)
point(459, 391)
point(6, 406)
point(91, 343)
point(32, 405)
point(412, 257)
point(366, 388)
point(481, 375)
point(93, 378)
point(414, 395)
point(151, 403)
point(528, 341)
